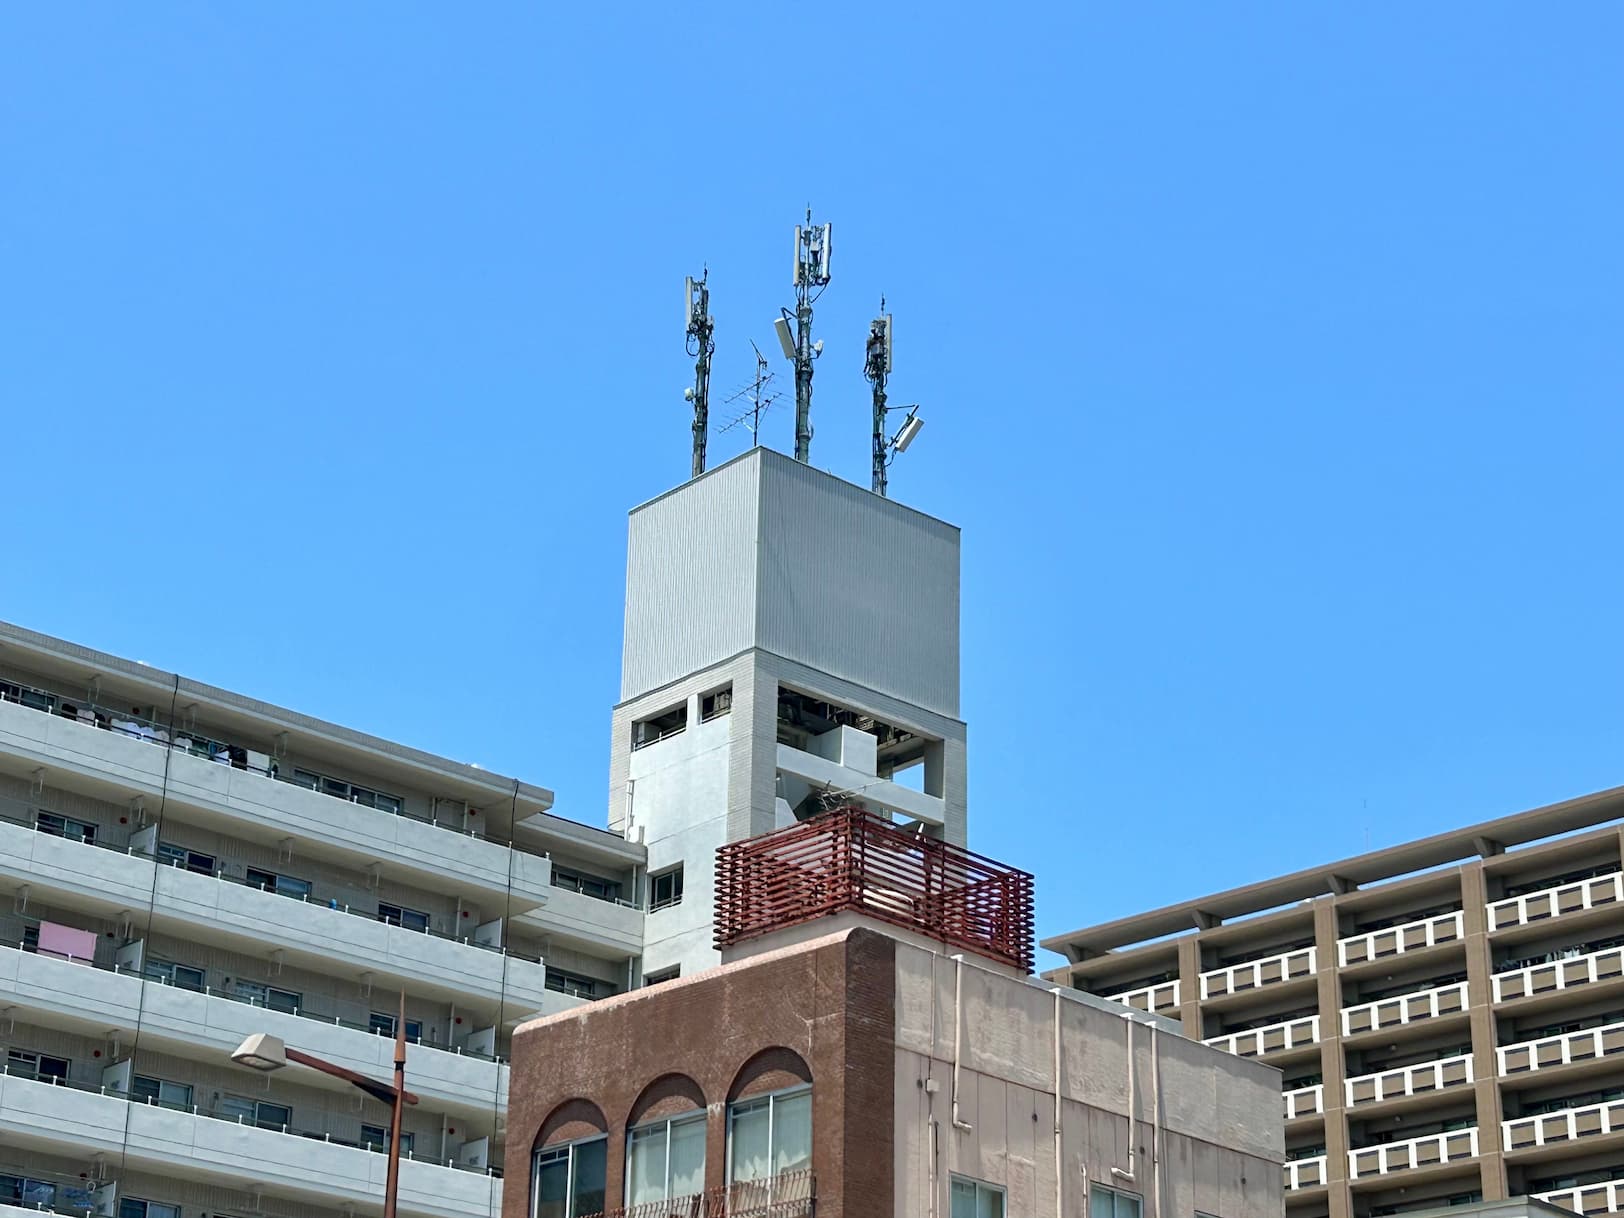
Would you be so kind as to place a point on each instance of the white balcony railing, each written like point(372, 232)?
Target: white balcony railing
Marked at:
point(1164, 996)
point(1395, 940)
point(1429, 1151)
point(1587, 1044)
point(1305, 1102)
point(1554, 902)
point(1275, 1038)
point(1305, 1173)
point(1603, 1198)
point(1565, 1125)
point(1404, 1008)
point(1553, 975)
point(1409, 1080)
point(1252, 974)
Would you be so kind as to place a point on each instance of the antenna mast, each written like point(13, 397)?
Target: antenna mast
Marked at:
point(811, 271)
point(877, 368)
point(759, 401)
point(702, 345)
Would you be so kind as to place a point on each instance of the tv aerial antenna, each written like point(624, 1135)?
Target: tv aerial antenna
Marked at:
point(795, 329)
point(877, 369)
point(702, 345)
point(755, 393)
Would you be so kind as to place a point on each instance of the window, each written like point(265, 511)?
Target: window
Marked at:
point(66, 826)
point(161, 1091)
point(383, 1024)
point(397, 915)
point(259, 994)
point(665, 888)
point(572, 983)
point(191, 860)
point(41, 1066)
point(25, 1191)
point(376, 1137)
point(666, 1159)
point(245, 1111)
point(714, 704)
point(973, 1199)
point(135, 1207)
point(665, 974)
point(182, 975)
point(656, 728)
point(585, 883)
point(282, 885)
point(569, 1180)
point(769, 1135)
point(339, 789)
point(1111, 1203)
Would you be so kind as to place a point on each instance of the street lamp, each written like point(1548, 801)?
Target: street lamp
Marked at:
point(265, 1053)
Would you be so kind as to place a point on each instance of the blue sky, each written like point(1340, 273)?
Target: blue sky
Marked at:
point(1270, 355)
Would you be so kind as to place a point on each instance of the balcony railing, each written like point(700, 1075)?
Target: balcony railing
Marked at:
point(1163, 996)
point(1554, 975)
point(1253, 974)
point(1306, 1173)
point(1305, 1102)
point(849, 860)
point(1395, 940)
point(1565, 1125)
point(1404, 1008)
point(1429, 1151)
point(1554, 902)
point(1606, 1197)
point(1409, 1080)
point(787, 1195)
point(1586, 1044)
point(1275, 1038)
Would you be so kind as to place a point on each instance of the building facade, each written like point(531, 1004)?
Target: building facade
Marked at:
point(1447, 1015)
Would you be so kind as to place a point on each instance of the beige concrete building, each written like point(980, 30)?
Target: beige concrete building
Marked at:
point(1447, 1015)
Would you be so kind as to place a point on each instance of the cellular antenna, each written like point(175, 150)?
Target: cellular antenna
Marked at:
point(701, 345)
point(795, 330)
point(755, 393)
point(877, 368)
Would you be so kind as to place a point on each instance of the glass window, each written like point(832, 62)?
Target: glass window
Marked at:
point(135, 1207)
point(665, 889)
point(65, 826)
point(377, 1137)
point(974, 1199)
point(182, 975)
point(770, 1135)
point(191, 860)
point(282, 885)
point(161, 1091)
point(666, 1159)
point(397, 915)
point(40, 1066)
point(569, 1180)
point(383, 1024)
point(1111, 1203)
point(255, 1112)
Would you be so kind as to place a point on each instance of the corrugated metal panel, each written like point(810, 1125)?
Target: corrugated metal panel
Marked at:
point(690, 578)
point(858, 586)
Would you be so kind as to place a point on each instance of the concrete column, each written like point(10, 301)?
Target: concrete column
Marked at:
point(1479, 993)
point(752, 750)
point(1190, 986)
point(1332, 1061)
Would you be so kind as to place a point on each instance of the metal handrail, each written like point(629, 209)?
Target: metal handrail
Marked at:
point(781, 1196)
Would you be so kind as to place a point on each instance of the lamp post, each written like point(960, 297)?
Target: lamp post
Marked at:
point(266, 1053)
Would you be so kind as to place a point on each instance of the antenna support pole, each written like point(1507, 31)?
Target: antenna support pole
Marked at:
point(701, 345)
point(877, 368)
point(811, 271)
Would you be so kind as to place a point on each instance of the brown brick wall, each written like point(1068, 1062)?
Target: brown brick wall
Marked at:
point(826, 1008)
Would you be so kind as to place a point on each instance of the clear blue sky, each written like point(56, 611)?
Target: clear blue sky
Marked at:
point(1271, 356)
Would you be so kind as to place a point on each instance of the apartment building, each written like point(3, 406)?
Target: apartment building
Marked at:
point(183, 866)
point(1447, 1015)
point(872, 1045)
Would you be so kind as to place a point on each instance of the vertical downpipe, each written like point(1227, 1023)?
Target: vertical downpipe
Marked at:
point(1156, 1122)
point(1059, 1191)
point(1133, 1136)
point(958, 1037)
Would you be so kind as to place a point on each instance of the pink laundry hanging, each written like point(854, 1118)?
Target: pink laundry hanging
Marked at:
point(76, 945)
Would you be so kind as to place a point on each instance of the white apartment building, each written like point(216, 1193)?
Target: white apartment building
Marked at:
point(183, 866)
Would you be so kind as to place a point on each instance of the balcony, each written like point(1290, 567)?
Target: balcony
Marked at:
point(1152, 999)
point(1433, 1150)
point(1565, 1125)
point(1587, 1044)
point(575, 916)
point(1305, 1173)
point(1275, 1038)
point(1555, 902)
point(1551, 976)
point(1424, 1078)
point(1604, 1198)
point(1404, 1008)
point(189, 1143)
point(1305, 1102)
point(1254, 974)
point(144, 759)
point(791, 1194)
point(64, 993)
point(1395, 940)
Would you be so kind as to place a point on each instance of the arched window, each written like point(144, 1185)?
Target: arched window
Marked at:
point(569, 1168)
point(665, 1159)
point(769, 1135)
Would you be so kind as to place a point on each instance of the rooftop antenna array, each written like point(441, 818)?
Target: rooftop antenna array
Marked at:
point(701, 345)
point(756, 394)
point(877, 369)
point(811, 278)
